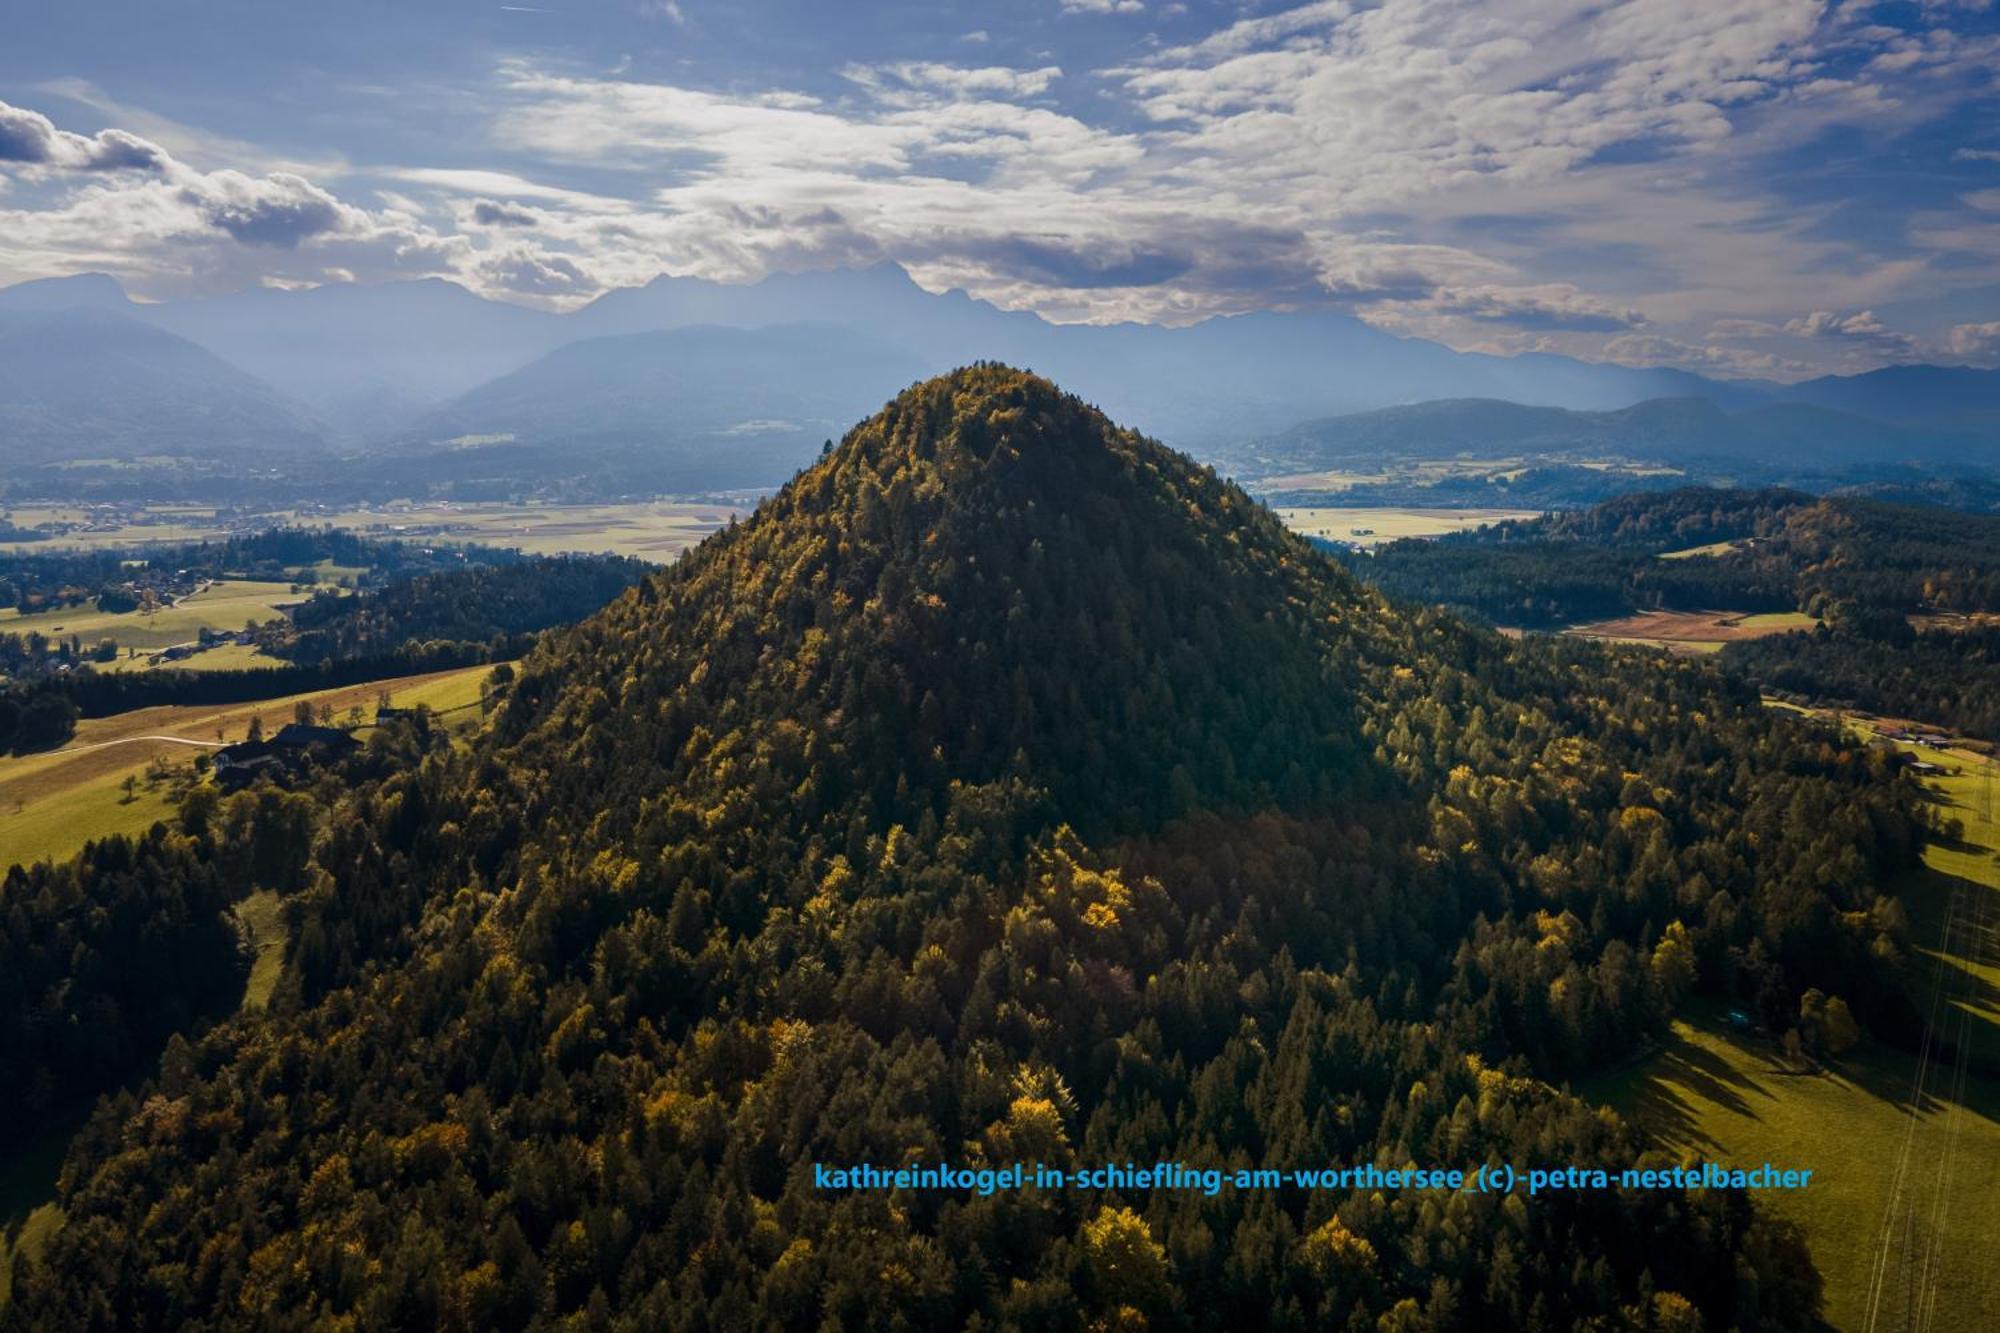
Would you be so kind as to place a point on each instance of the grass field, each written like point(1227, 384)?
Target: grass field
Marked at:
point(263, 913)
point(52, 803)
point(227, 604)
point(1372, 527)
point(223, 657)
point(1692, 552)
point(1692, 631)
point(163, 523)
point(1715, 1095)
point(1905, 1209)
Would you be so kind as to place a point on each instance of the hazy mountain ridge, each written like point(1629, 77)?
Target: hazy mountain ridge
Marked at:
point(377, 367)
point(696, 407)
point(91, 383)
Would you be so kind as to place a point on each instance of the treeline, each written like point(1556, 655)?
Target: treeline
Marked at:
point(102, 958)
point(106, 693)
point(1676, 519)
point(1828, 557)
point(67, 577)
point(1539, 583)
point(1542, 485)
point(34, 716)
point(452, 606)
point(1007, 789)
point(1949, 678)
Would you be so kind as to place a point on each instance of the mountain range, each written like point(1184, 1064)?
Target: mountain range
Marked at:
point(406, 369)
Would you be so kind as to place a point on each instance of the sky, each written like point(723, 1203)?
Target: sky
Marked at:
point(1772, 188)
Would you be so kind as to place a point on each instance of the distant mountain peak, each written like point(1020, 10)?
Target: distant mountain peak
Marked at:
point(90, 291)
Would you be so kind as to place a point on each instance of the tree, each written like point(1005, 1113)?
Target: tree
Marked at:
point(1673, 963)
point(1827, 1023)
point(1839, 1030)
point(47, 720)
point(1127, 1265)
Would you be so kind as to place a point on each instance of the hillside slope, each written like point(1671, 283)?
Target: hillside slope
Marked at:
point(1006, 789)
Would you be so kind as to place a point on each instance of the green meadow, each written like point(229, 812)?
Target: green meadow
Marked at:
point(1904, 1208)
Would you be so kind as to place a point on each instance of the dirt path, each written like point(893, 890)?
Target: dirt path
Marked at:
point(127, 740)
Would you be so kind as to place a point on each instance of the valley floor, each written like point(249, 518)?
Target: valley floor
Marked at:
point(655, 530)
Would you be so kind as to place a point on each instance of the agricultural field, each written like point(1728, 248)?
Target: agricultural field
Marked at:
point(1905, 1201)
point(82, 529)
point(1368, 528)
point(224, 605)
point(655, 530)
point(1431, 471)
point(1692, 631)
point(52, 803)
point(222, 657)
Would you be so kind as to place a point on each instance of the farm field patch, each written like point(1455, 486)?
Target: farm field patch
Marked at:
point(1371, 527)
point(225, 605)
point(1692, 631)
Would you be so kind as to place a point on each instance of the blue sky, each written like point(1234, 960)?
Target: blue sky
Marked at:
point(1758, 187)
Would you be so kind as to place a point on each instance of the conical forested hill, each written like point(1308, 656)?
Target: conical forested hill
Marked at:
point(1007, 789)
point(986, 582)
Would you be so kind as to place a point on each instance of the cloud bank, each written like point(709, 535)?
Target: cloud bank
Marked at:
point(1606, 180)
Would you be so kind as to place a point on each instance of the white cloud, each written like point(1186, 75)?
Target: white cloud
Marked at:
point(29, 139)
point(1651, 351)
point(1103, 6)
point(958, 81)
point(1861, 329)
point(504, 184)
point(1975, 342)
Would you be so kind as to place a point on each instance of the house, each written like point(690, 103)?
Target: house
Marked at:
point(330, 742)
point(297, 747)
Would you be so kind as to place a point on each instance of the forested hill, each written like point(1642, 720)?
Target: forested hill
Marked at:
point(1007, 789)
